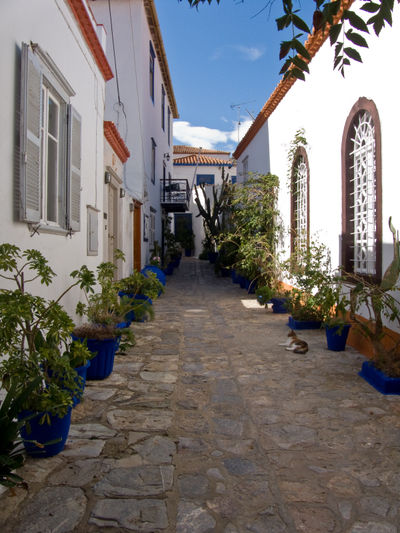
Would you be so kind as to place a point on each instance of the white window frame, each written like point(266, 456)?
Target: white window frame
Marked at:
point(42, 81)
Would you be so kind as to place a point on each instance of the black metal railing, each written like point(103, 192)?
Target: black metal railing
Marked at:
point(175, 193)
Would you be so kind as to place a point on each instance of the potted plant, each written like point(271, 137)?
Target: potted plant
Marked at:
point(334, 304)
point(278, 297)
point(141, 289)
point(382, 307)
point(307, 269)
point(35, 340)
point(105, 325)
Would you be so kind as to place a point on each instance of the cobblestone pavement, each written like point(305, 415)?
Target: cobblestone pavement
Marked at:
point(208, 425)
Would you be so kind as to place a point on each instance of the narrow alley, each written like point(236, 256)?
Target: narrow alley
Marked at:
point(209, 425)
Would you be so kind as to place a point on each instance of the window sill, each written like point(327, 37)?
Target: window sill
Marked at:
point(44, 228)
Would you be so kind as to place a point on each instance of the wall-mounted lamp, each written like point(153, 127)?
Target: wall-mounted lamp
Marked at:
point(122, 193)
point(131, 207)
point(107, 177)
point(166, 156)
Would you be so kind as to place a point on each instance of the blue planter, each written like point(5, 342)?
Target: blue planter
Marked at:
point(242, 281)
point(235, 276)
point(169, 269)
point(131, 316)
point(102, 364)
point(212, 257)
point(337, 340)
point(279, 305)
point(225, 273)
point(378, 379)
point(304, 324)
point(57, 431)
point(82, 373)
point(157, 271)
point(250, 286)
point(188, 252)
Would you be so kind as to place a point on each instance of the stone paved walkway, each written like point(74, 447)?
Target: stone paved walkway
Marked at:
point(208, 425)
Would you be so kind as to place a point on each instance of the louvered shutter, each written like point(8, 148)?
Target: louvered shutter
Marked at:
point(74, 170)
point(31, 84)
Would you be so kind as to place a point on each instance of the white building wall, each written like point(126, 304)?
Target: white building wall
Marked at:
point(29, 21)
point(189, 172)
point(321, 106)
point(137, 118)
point(257, 154)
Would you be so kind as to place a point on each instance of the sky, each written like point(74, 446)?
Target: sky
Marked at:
point(224, 64)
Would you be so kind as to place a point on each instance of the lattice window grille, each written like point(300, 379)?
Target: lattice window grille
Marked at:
point(300, 203)
point(364, 195)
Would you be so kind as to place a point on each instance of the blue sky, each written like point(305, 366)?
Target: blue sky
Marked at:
point(220, 56)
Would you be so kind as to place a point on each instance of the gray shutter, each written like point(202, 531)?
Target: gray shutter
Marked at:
point(74, 170)
point(31, 84)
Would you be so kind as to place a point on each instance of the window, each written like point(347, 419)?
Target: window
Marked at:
point(300, 201)
point(207, 179)
point(153, 161)
point(169, 126)
point(163, 107)
point(151, 71)
point(50, 143)
point(361, 194)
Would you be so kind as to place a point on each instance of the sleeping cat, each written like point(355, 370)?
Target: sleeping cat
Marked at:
point(295, 344)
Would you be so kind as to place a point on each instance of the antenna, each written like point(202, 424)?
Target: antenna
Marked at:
point(238, 107)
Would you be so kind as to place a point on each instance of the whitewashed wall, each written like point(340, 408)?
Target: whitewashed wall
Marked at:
point(139, 119)
point(188, 172)
point(257, 154)
point(50, 24)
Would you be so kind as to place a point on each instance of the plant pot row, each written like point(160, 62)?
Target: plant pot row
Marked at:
point(244, 283)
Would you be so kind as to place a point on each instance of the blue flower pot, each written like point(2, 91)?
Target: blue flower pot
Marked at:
point(131, 316)
point(212, 257)
point(242, 281)
point(235, 276)
point(169, 269)
point(250, 286)
point(279, 305)
point(337, 340)
point(42, 433)
point(82, 373)
point(304, 324)
point(380, 381)
point(102, 364)
point(157, 271)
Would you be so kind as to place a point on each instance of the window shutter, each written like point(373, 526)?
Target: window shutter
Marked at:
point(31, 83)
point(74, 170)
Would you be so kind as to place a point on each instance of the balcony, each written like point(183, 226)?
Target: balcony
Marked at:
point(175, 195)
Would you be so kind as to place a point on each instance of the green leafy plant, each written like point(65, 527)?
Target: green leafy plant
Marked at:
point(12, 454)
point(255, 227)
point(308, 270)
point(380, 304)
point(35, 333)
point(103, 309)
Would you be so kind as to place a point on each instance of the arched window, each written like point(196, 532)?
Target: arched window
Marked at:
point(362, 191)
point(300, 201)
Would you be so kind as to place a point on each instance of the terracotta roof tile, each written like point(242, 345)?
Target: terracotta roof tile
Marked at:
point(203, 160)
point(89, 33)
point(313, 44)
point(116, 142)
point(184, 149)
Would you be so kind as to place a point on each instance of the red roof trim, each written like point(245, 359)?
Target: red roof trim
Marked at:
point(313, 44)
point(116, 142)
point(89, 33)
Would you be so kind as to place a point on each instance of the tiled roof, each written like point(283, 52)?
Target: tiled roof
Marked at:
point(79, 11)
point(183, 149)
point(152, 20)
point(203, 160)
point(116, 142)
point(313, 44)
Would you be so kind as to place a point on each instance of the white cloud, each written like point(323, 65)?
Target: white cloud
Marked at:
point(249, 53)
point(209, 138)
